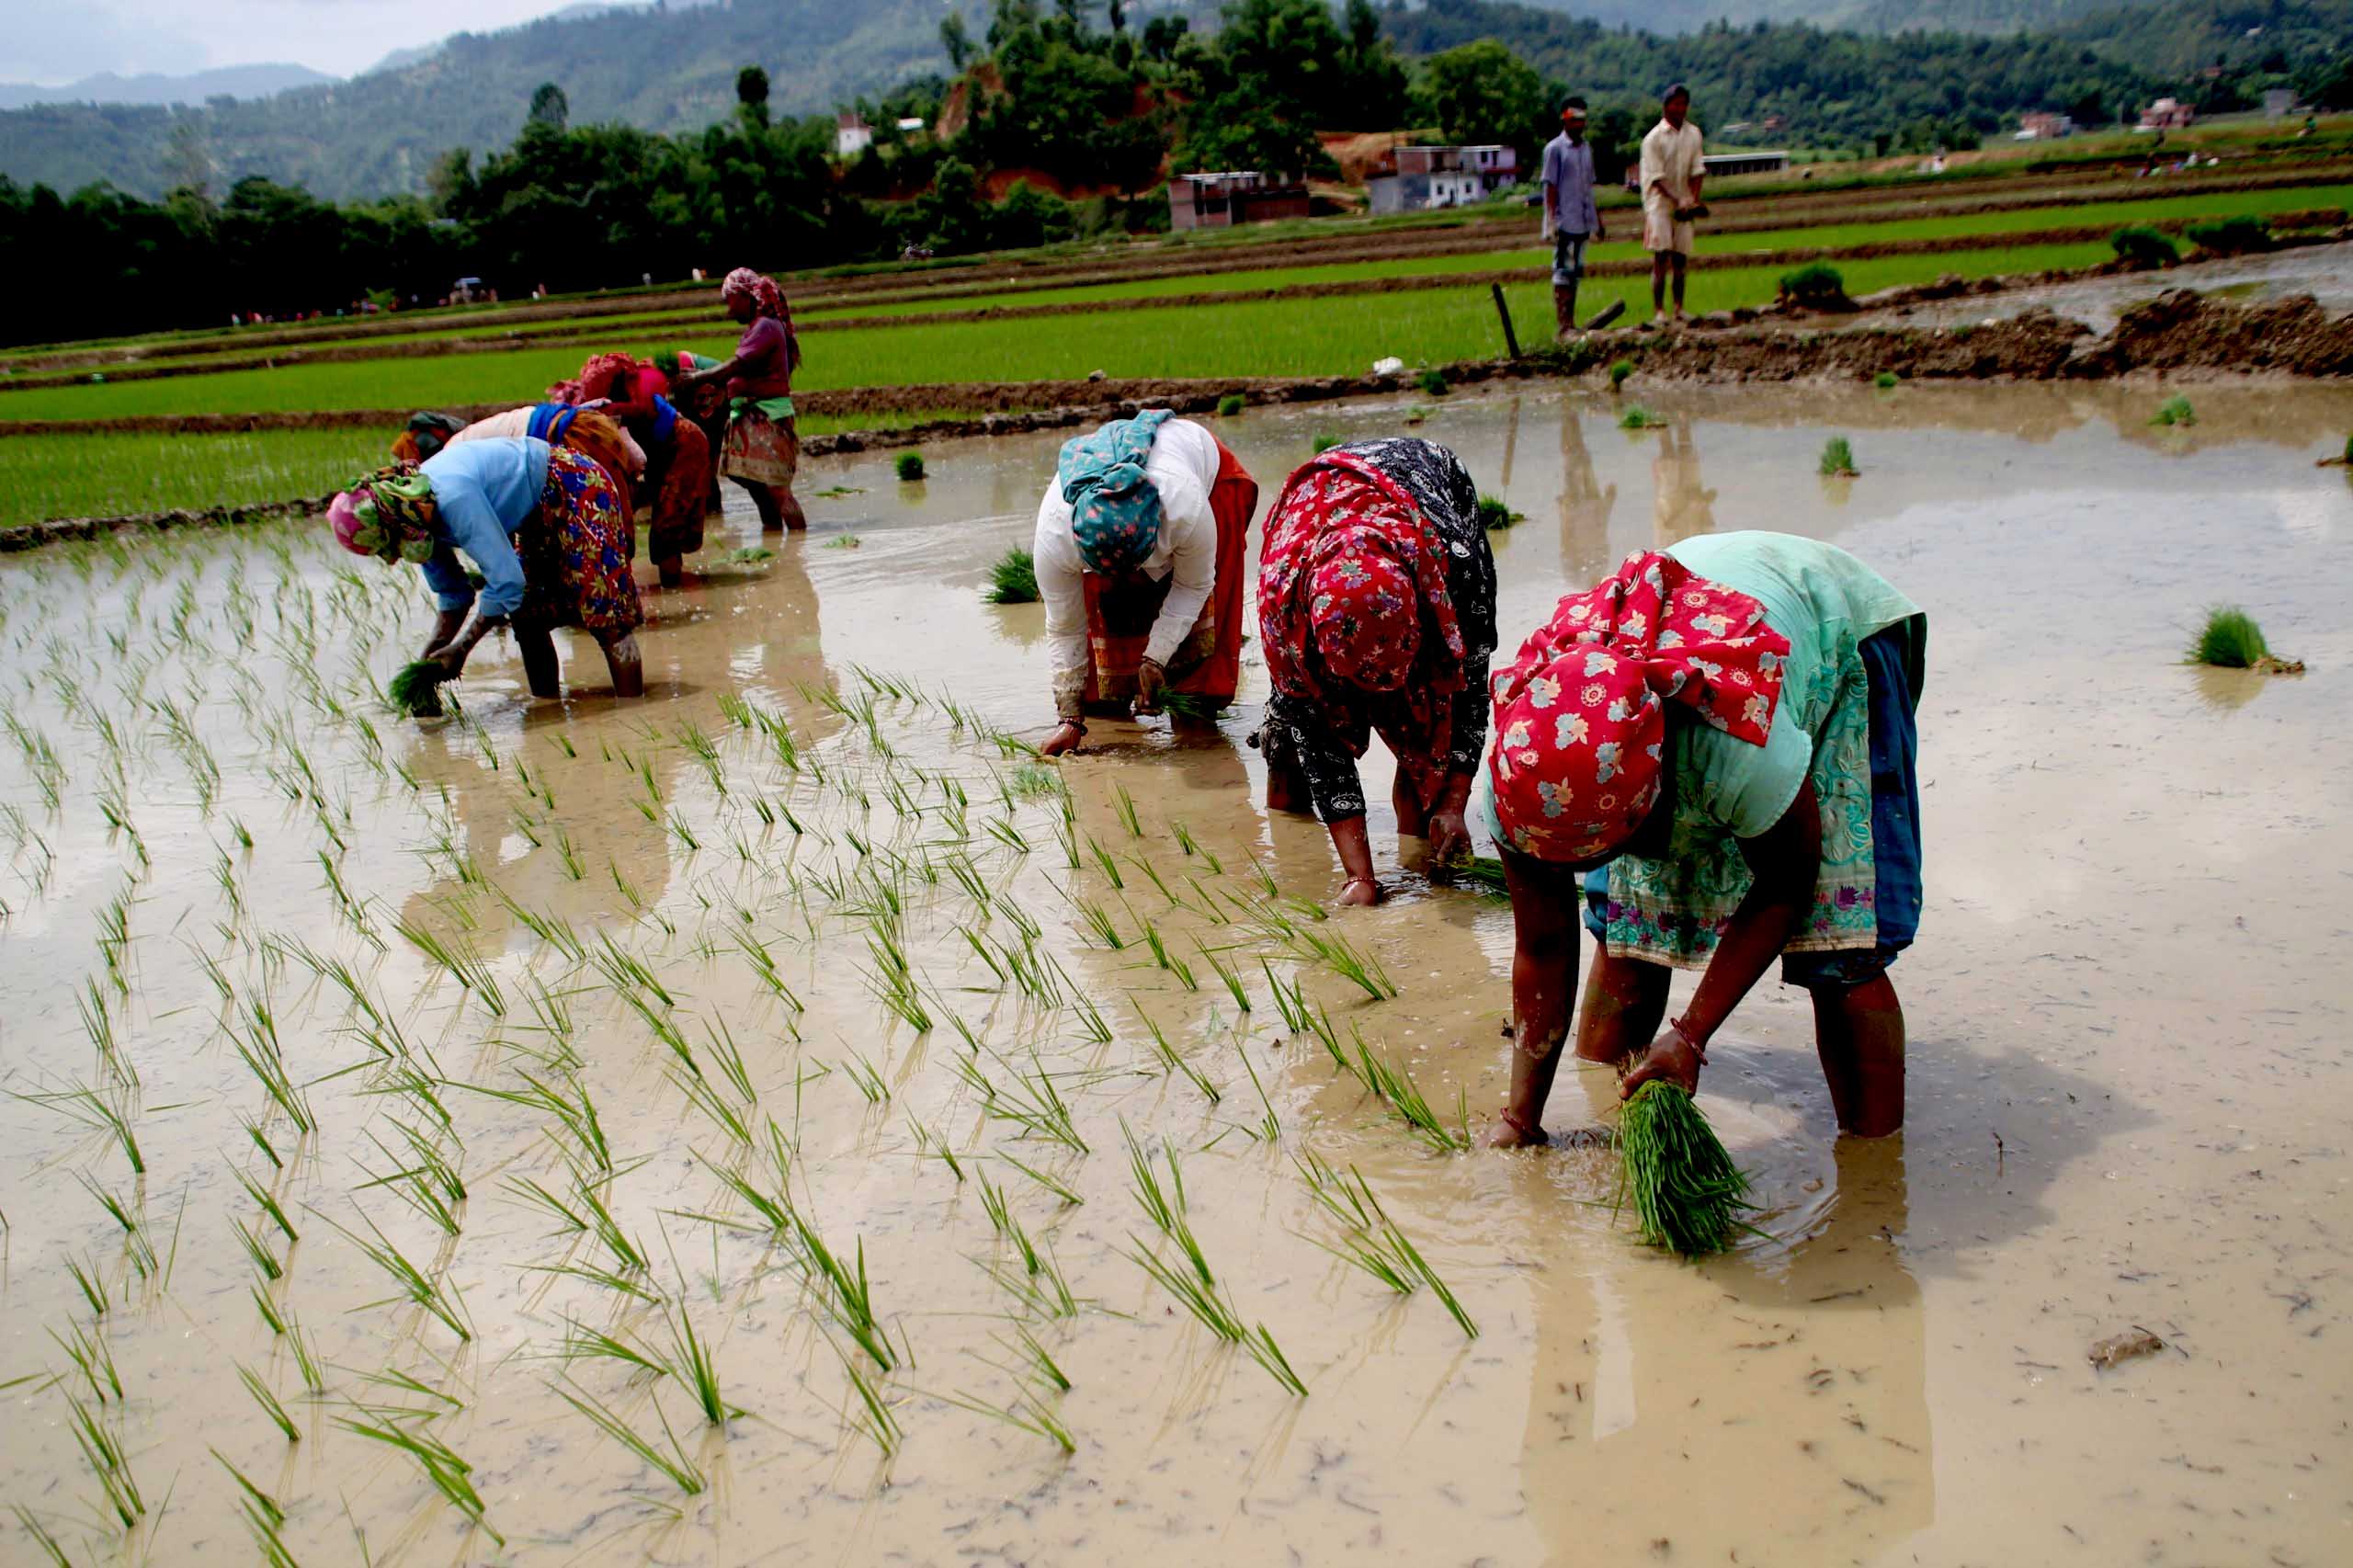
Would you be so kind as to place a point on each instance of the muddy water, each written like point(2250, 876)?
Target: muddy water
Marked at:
point(2127, 1014)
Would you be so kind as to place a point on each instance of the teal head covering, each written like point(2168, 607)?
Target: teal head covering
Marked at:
point(1114, 511)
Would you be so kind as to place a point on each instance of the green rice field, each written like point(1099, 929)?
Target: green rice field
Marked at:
point(71, 476)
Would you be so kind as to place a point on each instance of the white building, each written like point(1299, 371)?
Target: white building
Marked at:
point(1442, 176)
point(852, 135)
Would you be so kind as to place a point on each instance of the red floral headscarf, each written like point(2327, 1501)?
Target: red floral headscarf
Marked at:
point(1354, 609)
point(1580, 728)
point(604, 376)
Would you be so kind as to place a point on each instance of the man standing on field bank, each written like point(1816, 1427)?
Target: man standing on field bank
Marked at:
point(1570, 220)
point(1672, 174)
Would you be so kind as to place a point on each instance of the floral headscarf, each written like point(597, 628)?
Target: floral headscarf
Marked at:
point(604, 376)
point(387, 514)
point(1114, 510)
point(767, 299)
point(1356, 616)
point(1580, 726)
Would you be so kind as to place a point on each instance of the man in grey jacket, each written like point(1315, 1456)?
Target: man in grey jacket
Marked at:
point(1570, 216)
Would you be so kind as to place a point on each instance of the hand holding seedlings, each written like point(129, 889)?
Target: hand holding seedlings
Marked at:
point(1067, 736)
point(1151, 679)
point(1673, 1058)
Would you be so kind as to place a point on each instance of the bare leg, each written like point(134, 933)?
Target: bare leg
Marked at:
point(788, 506)
point(1286, 787)
point(1659, 282)
point(621, 657)
point(1625, 1003)
point(538, 650)
point(1680, 266)
point(764, 503)
point(1859, 1033)
point(1411, 820)
point(673, 570)
point(1543, 977)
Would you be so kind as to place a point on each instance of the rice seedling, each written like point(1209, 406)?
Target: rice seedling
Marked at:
point(1637, 418)
point(1231, 405)
point(258, 1252)
point(862, 1074)
point(874, 1416)
point(1687, 1194)
point(1164, 959)
point(1100, 926)
point(88, 1107)
point(269, 1402)
point(2175, 411)
point(1007, 1224)
point(265, 1517)
point(909, 467)
point(93, 1358)
point(1619, 370)
point(269, 1205)
point(1013, 578)
point(627, 1255)
point(306, 1362)
point(2229, 640)
point(449, 1474)
point(1371, 1240)
point(1170, 1060)
point(1837, 459)
point(582, 1343)
point(1225, 972)
point(849, 1294)
point(1026, 1415)
point(1359, 969)
point(1190, 706)
point(1495, 513)
point(42, 1538)
point(1394, 1087)
point(1885, 380)
point(413, 1284)
point(272, 1319)
point(108, 1462)
point(695, 1364)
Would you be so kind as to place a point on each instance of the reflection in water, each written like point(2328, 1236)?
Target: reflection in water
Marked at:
point(1683, 507)
point(1585, 506)
point(1649, 1430)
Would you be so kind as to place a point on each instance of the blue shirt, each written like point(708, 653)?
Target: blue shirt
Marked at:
point(483, 491)
point(1568, 168)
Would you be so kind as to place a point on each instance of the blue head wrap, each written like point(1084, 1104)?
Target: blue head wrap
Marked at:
point(551, 421)
point(1115, 512)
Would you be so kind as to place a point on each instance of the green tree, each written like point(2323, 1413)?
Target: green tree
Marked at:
point(751, 94)
point(549, 108)
point(957, 39)
point(1483, 93)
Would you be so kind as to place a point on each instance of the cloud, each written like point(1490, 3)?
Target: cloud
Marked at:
point(55, 44)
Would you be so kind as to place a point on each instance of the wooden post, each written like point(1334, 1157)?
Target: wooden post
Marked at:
point(1511, 338)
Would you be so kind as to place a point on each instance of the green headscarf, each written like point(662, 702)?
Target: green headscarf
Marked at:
point(388, 514)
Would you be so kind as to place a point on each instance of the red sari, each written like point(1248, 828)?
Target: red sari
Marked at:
point(1120, 611)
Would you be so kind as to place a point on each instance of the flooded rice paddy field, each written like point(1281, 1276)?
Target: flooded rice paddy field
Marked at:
point(490, 1077)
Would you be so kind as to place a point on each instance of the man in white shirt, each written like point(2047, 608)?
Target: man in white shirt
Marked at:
point(1203, 497)
point(1570, 220)
point(1673, 171)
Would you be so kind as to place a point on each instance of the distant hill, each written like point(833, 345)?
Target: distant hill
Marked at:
point(659, 67)
point(236, 81)
point(1857, 16)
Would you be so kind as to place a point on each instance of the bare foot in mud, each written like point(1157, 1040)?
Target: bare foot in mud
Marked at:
point(1508, 1133)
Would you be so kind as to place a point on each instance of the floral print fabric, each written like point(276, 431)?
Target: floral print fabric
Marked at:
point(387, 514)
point(575, 553)
point(1580, 715)
point(1360, 623)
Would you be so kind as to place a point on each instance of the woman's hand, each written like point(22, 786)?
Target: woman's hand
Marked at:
point(1670, 1060)
point(1449, 836)
point(1360, 892)
point(1151, 681)
point(451, 658)
point(1065, 738)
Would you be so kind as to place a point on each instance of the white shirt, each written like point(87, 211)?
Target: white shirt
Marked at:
point(1182, 467)
point(1671, 157)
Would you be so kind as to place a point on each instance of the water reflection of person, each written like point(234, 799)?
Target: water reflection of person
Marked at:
point(1586, 504)
point(1684, 505)
point(1791, 1395)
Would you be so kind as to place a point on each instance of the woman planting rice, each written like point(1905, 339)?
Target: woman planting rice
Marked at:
point(1711, 754)
point(1138, 559)
point(705, 404)
point(678, 459)
point(1377, 602)
point(762, 448)
point(593, 436)
point(543, 527)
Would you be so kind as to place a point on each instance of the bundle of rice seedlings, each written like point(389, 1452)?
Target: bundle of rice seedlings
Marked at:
point(1885, 380)
point(1837, 459)
point(1687, 1195)
point(1432, 381)
point(1013, 580)
point(415, 690)
point(911, 466)
point(1190, 705)
point(1231, 405)
point(2175, 410)
point(1481, 873)
point(1637, 418)
point(1619, 370)
point(2229, 640)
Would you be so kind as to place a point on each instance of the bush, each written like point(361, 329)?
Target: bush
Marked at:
point(911, 466)
point(1495, 512)
point(1637, 418)
point(1814, 286)
point(1013, 579)
point(2143, 246)
point(1837, 459)
point(1231, 405)
point(2230, 639)
point(1885, 379)
point(2231, 236)
point(1431, 382)
point(2175, 410)
point(1618, 372)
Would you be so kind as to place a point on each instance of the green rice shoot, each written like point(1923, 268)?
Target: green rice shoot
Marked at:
point(2174, 411)
point(910, 466)
point(1190, 705)
point(1637, 418)
point(1495, 513)
point(2229, 640)
point(1687, 1195)
point(1013, 580)
point(1837, 459)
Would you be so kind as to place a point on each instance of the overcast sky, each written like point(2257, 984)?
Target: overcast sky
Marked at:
point(52, 41)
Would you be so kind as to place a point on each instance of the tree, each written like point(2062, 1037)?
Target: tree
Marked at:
point(549, 108)
point(1483, 93)
point(957, 39)
point(751, 94)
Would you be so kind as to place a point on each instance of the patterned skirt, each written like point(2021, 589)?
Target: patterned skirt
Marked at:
point(761, 450)
point(678, 480)
point(575, 553)
point(1120, 611)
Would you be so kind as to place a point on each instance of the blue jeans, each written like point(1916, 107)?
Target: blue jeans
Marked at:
point(1568, 257)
